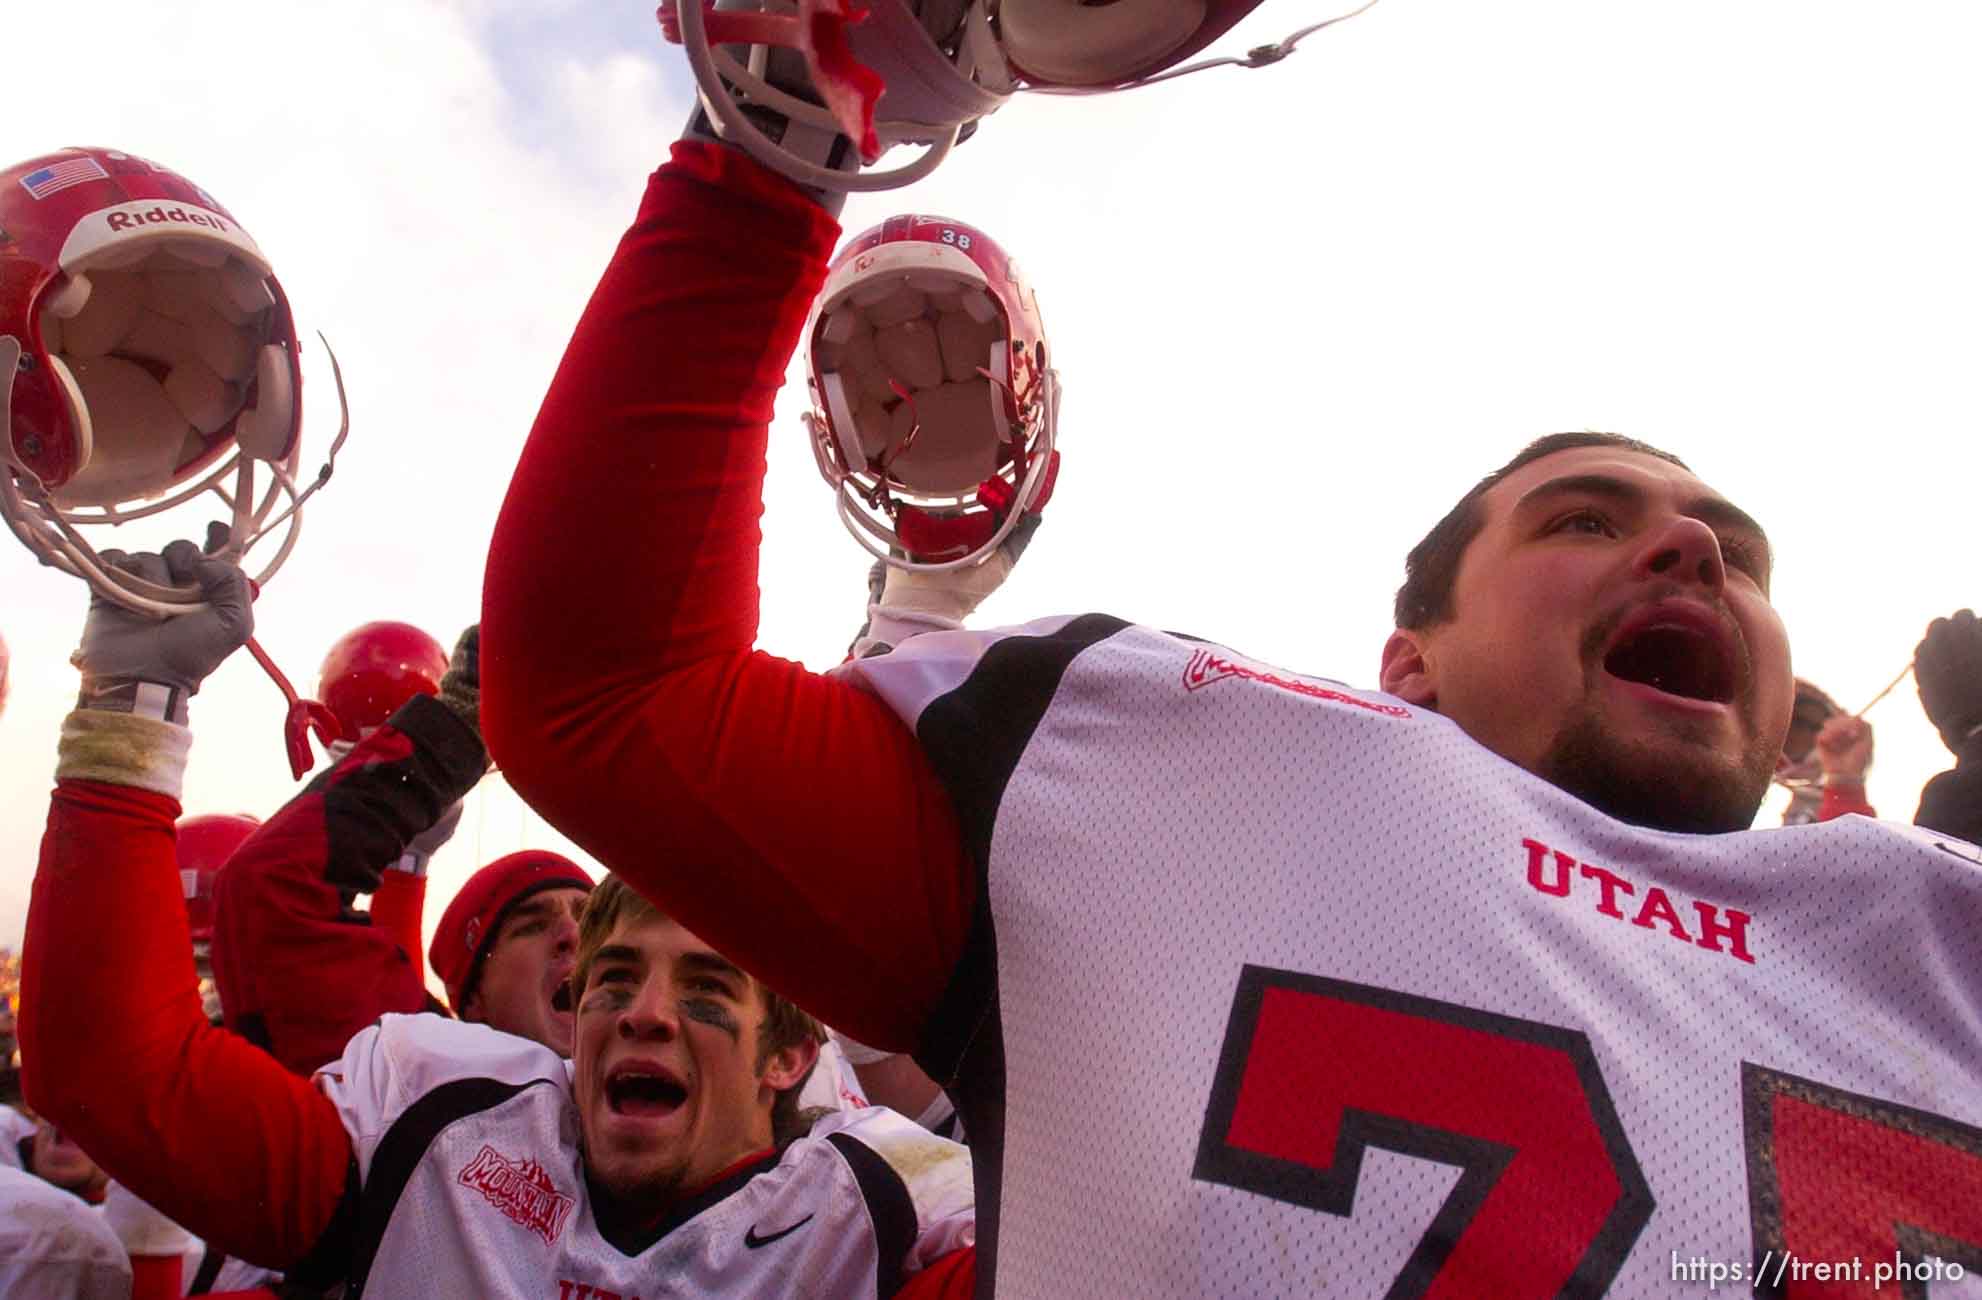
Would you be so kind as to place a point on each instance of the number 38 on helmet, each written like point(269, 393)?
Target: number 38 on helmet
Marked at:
point(934, 398)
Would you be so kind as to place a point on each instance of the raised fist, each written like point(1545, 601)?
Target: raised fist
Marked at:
point(1844, 748)
point(120, 645)
point(1948, 666)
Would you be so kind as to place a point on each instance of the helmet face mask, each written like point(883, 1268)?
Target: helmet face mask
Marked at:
point(934, 402)
point(918, 71)
point(152, 357)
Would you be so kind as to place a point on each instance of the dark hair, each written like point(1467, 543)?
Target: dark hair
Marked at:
point(614, 901)
point(1432, 567)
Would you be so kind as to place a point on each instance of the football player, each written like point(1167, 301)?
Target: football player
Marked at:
point(1475, 984)
point(436, 1156)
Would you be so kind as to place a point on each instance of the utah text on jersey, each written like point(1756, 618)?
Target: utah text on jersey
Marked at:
point(1395, 1017)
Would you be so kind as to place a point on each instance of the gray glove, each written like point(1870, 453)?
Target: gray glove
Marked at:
point(1948, 666)
point(429, 841)
point(121, 647)
point(461, 684)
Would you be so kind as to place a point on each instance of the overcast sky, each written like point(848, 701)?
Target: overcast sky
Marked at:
point(1296, 312)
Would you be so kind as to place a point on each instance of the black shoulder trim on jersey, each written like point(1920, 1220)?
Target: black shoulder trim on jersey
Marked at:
point(974, 736)
point(888, 1204)
point(402, 1149)
point(327, 1263)
point(636, 1240)
point(208, 1272)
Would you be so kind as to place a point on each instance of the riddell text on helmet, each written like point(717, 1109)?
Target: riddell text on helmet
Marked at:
point(164, 215)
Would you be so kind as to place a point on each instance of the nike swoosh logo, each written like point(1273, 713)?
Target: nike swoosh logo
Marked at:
point(753, 1241)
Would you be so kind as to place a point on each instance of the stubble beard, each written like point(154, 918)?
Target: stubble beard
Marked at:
point(1683, 784)
point(1680, 780)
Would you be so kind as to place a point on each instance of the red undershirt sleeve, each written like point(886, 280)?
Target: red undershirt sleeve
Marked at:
point(789, 819)
point(952, 1277)
point(1840, 800)
point(115, 1049)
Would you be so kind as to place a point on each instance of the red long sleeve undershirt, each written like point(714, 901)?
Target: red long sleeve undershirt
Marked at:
point(789, 819)
point(1843, 800)
point(115, 1048)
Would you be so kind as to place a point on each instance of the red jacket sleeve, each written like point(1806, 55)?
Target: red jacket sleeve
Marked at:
point(398, 910)
point(300, 969)
point(115, 1048)
point(805, 833)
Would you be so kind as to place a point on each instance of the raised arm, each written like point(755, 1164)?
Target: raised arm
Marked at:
point(194, 1120)
point(300, 970)
point(789, 819)
point(1948, 666)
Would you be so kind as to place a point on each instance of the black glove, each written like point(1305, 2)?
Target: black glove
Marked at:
point(1948, 666)
point(121, 647)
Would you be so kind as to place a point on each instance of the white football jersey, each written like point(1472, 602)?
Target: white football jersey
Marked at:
point(15, 1128)
point(55, 1246)
point(471, 1184)
point(1301, 991)
point(832, 1085)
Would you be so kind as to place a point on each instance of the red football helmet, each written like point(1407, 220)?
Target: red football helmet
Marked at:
point(888, 76)
point(147, 355)
point(371, 670)
point(934, 398)
point(205, 844)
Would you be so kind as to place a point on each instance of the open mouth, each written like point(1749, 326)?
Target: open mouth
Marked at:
point(561, 998)
point(643, 1094)
point(1678, 656)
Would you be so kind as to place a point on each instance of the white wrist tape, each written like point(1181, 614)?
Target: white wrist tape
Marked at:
point(952, 594)
point(123, 749)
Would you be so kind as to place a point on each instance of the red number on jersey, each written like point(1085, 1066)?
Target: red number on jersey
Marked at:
point(1314, 1071)
point(1833, 1175)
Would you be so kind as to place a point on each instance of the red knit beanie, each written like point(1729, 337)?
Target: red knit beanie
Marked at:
point(472, 919)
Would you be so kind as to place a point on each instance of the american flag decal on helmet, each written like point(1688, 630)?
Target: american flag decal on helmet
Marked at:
point(57, 177)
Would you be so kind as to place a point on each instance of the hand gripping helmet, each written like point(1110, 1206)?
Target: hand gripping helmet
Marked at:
point(920, 71)
point(147, 355)
point(934, 399)
point(205, 844)
point(371, 670)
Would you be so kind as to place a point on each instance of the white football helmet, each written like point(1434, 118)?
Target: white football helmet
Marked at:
point(147, 356)
point(934, 398)
point(920, 71)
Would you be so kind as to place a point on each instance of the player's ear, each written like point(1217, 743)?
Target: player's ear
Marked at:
point(788, 1066)
point(1406, 671)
